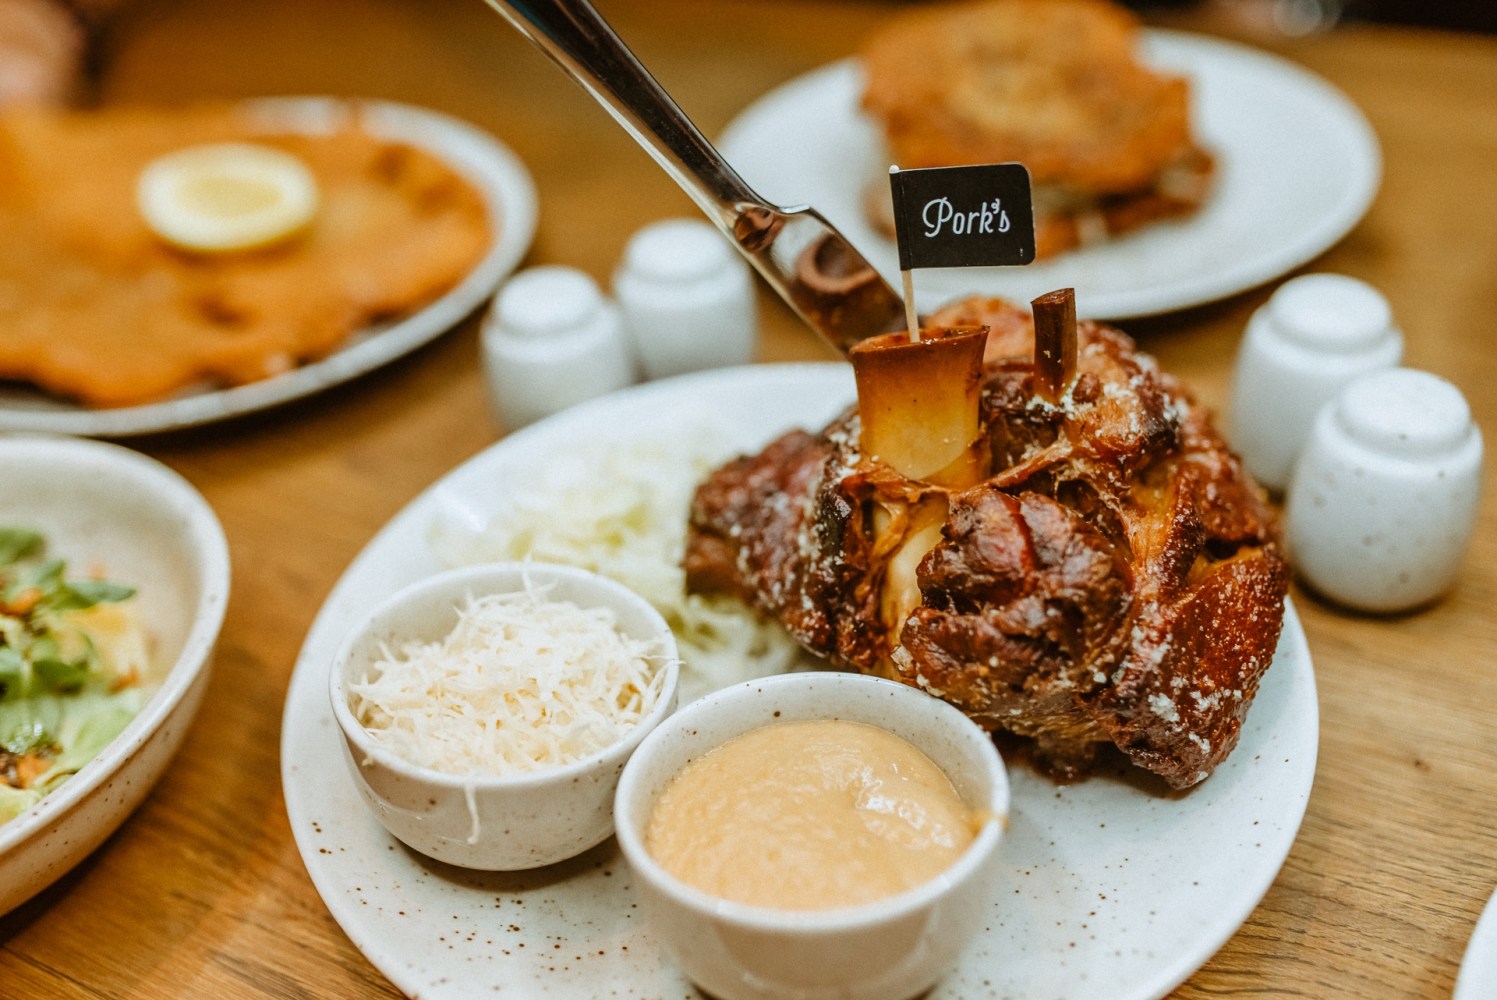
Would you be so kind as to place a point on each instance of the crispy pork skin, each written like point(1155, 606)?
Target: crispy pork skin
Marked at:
point(1117, 580)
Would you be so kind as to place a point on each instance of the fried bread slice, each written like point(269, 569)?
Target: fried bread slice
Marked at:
point(1053, 84)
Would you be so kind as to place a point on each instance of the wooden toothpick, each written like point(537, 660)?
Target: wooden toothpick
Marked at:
point(912, 321)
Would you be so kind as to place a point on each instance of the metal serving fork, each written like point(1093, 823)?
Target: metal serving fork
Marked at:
point(802, 256)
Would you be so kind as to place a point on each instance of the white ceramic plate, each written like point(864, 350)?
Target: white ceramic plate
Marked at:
point(1478, 975)
point(1109, 891)
point(102, 504)
point(475, 154)
point(1298, 166)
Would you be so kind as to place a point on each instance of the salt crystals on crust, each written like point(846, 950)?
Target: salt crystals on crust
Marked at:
point(520, 684)
point(1164, 707)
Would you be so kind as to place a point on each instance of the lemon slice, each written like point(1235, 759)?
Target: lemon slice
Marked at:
point(227, 196)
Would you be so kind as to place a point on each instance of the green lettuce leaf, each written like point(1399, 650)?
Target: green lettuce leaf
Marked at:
point(80, 724)
point(14, 801)
point(18, 543)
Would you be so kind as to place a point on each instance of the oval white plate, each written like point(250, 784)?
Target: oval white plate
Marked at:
point(105, 505)
point(1298, 166)
point(478, 156)
point(1110, 891)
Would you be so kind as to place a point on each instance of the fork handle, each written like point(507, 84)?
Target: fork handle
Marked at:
point(575, 35)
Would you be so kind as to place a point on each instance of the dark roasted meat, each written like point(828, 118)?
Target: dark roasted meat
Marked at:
point(1117, 579)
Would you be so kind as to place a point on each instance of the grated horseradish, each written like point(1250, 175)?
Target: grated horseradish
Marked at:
point(520, 684)
point(634, 532)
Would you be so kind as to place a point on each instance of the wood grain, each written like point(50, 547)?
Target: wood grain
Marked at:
point(202, 893)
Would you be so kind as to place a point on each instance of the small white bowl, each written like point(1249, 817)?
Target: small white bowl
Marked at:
point(101, 504)
point(889, 949)
point(522, 820)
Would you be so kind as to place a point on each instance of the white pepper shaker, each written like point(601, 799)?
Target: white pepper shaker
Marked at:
point(1316, 333)
point(1382, 503)
point(687, 298)
point(551, 340)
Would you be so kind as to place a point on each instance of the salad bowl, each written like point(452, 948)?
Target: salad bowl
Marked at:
point(103, 507)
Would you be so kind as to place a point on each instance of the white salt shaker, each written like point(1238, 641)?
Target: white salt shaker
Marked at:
point(1382, 503)
point(551, 340)
point(687, 298)
point(1316, 333)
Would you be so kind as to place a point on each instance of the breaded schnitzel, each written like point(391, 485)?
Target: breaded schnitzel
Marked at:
point(96, 308)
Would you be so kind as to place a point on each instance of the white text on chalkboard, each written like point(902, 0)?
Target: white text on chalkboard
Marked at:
point(987, 218)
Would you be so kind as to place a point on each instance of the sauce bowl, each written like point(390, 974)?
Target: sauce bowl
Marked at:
point(505, 822)
point(892, 948)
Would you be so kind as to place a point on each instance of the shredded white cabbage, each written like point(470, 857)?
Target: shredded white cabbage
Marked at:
point(622, 512)
point(521, 683)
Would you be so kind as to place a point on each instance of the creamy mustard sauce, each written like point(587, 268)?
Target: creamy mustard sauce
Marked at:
point(808, 816)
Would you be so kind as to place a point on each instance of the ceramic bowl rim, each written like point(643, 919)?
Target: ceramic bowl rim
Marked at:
point(470, 577)
point(209, 550)
point(831, 920)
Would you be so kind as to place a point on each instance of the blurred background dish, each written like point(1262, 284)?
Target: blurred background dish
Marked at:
point(1059, 86)
point(100, 505)
point(1297, 167)
point(483, 160)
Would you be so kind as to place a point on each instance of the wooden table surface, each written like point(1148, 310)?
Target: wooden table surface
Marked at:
point(202, 892)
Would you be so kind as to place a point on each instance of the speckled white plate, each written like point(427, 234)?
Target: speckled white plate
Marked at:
point(1110, 890)
point(1298, 166)
point(478, 156)
point(104, 505)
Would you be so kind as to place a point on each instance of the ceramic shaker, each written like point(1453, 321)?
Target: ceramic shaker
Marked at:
point(551, 340)
point(687, 298)
point(1316, 333)
point(1382, 502)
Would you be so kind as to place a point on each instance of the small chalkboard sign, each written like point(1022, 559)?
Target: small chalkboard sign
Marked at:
point(963, 216)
